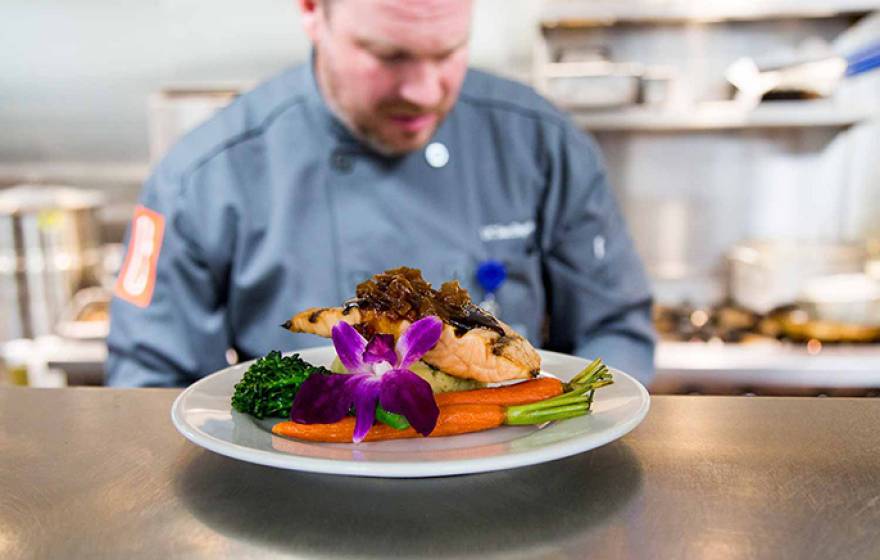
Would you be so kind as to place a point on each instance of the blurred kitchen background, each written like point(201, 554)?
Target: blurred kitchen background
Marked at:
point(742, 138)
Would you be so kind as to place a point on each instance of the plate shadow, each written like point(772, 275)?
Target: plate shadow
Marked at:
point(512, 512)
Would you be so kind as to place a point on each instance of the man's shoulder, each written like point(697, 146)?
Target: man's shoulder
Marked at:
point(246, 118)
point(488, 92)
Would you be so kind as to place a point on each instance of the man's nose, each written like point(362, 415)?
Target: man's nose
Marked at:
point(421, 84)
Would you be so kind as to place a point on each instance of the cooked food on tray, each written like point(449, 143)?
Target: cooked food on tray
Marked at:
point(411, 361)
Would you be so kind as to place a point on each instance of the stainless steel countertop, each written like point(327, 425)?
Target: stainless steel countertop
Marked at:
point(101, 473)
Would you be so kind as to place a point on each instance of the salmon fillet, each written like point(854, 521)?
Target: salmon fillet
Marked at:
point(482, 354)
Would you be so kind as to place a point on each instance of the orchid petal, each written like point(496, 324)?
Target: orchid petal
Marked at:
point(406, 393)
point(322, 399)
point(365, 393)
point(420, 337)
point(380, 349)
point(350, 347)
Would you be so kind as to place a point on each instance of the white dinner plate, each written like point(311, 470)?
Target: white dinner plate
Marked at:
point(204, 415)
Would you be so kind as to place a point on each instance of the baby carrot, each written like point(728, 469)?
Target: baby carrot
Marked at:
point(536, 401)
point(453, 419)
point(524, 392)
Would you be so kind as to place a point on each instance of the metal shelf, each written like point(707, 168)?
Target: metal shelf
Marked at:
point(723, 115)
point(108, 172)
point(578, 14)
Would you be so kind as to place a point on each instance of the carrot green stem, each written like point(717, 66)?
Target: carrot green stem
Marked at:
point(594, 366)
point(560, 407)
point(523, 417)
point(575, 401)
point(594, 375)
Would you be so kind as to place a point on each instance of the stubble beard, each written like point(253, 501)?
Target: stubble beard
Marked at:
point(362, 131)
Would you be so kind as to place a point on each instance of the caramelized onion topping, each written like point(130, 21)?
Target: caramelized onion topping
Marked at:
point(403, 294)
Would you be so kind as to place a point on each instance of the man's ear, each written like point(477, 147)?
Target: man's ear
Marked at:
point(312, 17)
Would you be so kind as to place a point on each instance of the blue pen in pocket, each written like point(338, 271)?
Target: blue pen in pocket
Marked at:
point(491, 274)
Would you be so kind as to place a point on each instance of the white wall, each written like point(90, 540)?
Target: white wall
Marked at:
point(75, 74)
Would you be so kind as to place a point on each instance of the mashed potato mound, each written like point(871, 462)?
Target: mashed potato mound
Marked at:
point(440, 382)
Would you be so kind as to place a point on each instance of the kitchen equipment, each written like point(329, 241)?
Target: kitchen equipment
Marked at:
point(722, 323)
point(87, 317)
point(796, 324)
point(15, 355)
point(792, 326)
point(49, 249)
point(872, 264)
point(872, 268)
point(800, 79)
point(584, 53)
point(593, 85)
point(764, 275)
point(656, 86)
point(852, 299)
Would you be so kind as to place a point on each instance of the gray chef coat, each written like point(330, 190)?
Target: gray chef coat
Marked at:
point(272, 207)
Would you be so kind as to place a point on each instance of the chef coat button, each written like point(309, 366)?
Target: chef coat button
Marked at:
point(437, 155)
point(599, 247)
point(342, 162)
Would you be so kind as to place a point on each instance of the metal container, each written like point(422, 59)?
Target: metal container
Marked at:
point(843, 299)
point(770, 274)
point(593, 85)
point(49, 249)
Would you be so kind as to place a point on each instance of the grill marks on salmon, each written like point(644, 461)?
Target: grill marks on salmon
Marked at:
point(481, 354)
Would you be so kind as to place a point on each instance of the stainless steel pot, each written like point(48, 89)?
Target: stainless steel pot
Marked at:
point(769, 274)
point(843, 298)
point(49, 249)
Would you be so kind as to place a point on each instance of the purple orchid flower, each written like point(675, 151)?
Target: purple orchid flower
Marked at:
point(379, 373)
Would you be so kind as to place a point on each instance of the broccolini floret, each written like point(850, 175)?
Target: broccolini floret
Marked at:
point(268, 387)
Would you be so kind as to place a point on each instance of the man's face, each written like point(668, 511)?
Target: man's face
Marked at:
point(390, 69)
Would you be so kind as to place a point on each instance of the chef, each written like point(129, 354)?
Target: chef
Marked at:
point(384, 150)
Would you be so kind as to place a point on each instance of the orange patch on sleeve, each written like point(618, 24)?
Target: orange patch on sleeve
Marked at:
point(137, 278)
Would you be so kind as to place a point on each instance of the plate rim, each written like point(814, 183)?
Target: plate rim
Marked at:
point(394, 469)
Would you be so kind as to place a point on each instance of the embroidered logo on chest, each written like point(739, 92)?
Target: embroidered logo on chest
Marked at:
point(501, 232)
